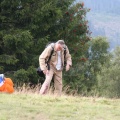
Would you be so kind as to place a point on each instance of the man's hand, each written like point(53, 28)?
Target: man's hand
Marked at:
point(46, 72)
point(67, 67)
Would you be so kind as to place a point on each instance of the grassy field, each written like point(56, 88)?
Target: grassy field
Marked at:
point(19, 106)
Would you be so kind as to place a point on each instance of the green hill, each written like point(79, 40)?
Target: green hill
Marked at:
point(35, 107)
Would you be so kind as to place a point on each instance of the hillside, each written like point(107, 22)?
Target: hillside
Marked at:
point(104, 19)
point(107, 26)
point(35, 107)
point(104, 6)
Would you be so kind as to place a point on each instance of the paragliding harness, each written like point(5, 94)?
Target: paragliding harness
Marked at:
point(40, 72)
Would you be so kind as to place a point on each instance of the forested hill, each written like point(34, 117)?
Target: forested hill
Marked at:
point(104, 6)
point(104, 19)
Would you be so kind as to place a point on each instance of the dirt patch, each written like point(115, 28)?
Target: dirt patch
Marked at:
point(41, 116)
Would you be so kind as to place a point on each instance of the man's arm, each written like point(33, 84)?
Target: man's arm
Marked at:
point(42, 58)
point(68, 59)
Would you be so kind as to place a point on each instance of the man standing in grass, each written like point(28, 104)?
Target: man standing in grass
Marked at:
point(56, 64)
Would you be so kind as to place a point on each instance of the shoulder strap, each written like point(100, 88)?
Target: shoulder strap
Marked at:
point(64, 55)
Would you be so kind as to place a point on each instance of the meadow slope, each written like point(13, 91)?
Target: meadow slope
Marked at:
point(19, 106)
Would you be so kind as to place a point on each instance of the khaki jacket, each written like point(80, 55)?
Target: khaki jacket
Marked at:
point(53, 61)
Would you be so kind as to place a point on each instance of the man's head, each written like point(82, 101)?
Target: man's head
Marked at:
point(59, 45)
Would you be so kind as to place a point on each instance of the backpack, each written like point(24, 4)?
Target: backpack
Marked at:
point(39, 71)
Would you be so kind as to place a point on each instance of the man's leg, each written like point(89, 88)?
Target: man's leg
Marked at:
point(58, 83)
point(46, 83)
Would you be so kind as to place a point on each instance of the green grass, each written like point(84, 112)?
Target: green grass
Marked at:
point(35, 107)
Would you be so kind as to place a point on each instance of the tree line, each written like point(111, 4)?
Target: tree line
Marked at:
point(28, 25)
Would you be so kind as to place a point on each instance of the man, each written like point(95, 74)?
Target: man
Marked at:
point(56, 65)
point(6, 84)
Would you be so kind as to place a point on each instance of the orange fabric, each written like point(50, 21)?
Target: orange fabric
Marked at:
point(9, 81)
point(7, 86)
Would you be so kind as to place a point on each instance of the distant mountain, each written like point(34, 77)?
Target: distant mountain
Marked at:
point(106, 25)
point(104, 6)
point(104, 19)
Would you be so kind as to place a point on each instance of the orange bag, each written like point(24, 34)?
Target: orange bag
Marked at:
point(7, 86)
